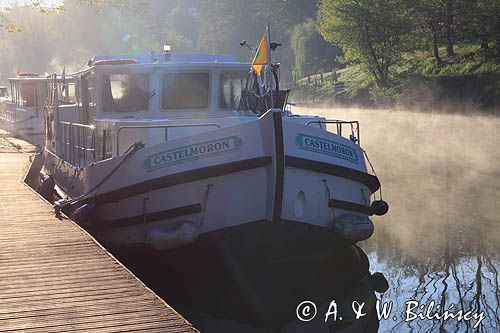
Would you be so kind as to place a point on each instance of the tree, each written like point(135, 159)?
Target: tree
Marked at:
point(312, 53)
point(430, 15)
point(480, 21)
point(374, 32)
point(450, 28)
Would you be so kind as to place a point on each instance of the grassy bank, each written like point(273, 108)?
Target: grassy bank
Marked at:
point(468, 81)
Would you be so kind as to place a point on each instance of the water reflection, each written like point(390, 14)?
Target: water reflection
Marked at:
point(441, 240)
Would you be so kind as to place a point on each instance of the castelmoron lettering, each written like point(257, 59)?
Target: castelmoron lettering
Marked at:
point(324, 146)
point(193, 152)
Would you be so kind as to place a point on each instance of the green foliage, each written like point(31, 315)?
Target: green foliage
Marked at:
point(372, 32)
point(470, 80)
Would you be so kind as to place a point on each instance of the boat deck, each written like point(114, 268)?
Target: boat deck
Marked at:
point(54, 277)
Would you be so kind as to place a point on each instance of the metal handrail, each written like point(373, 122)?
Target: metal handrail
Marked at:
point(158, 126)
point(77, 146)
point(355, 134)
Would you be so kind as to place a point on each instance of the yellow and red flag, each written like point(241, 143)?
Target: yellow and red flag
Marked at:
point(262, 55)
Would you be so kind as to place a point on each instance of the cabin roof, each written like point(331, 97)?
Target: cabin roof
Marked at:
point(39, 78)
point(155, 58)
point(154, 61)
point(28, 77)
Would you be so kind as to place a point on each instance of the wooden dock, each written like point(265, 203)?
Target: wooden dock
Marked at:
point(54, 277)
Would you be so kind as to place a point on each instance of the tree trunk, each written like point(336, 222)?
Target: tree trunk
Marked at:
point(435, 47)
point(449, 28)
point(376, 68)
point(484, 43)
point(433, 25)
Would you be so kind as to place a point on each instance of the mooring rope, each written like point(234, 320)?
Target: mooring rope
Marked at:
point(128, 153)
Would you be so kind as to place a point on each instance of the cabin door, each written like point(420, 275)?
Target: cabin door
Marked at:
point(88, 99)
point(51, 121)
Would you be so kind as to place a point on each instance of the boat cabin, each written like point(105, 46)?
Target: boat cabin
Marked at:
point(153, 99)
point(29, 94)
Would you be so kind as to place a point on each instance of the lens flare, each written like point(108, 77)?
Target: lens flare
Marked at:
point(125, 37)
point(136, 48)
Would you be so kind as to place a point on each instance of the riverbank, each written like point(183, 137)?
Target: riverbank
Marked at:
point(468, 82)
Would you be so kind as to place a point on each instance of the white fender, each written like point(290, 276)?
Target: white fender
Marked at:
point(168, 238)
point(353, 227)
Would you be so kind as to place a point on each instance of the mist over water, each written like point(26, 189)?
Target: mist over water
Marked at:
point(440, 240)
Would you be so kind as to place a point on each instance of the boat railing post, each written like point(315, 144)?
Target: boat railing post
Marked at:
point(71, 144)
point(93, 144)
point(103, 145)
point(63, 139)
point(77, 146)
point(85, 134)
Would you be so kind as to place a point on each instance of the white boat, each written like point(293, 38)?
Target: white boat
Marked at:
point(179, 155)
point(23, 113)
point(160, 153)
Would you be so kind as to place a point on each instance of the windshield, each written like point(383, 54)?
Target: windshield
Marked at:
point(231, 86)
point(185, 91)
point(125, 92)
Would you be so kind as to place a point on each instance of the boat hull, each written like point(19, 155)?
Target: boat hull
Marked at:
point(30, 128)
point(265, 209)
point(257, 171)
point(256, 273)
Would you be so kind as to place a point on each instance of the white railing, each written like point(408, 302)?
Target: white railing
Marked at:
point(353, 126)
point(78, 143)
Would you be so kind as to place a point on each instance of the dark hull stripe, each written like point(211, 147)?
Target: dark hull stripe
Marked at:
point(340, 204)
point(280, 165)
point(370, 181)
point(150, 217)
point(177, 179)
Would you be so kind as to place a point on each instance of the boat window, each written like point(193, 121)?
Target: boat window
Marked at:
point(125, 92)
point(41, 93)
point(13, 91)
point(185, 91)
point(27, 94)
point(4, 92)
point(66, 91)
point(231, 86)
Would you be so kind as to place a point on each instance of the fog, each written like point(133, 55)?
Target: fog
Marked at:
point(440, 174)
point(440, 240)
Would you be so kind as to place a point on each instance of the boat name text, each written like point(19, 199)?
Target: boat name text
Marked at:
point(323, 146)
point(193, 152)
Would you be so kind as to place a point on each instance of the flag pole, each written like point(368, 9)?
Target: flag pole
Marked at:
point(269, 68)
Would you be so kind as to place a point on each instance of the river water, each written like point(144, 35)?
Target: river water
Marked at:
point(440, 240)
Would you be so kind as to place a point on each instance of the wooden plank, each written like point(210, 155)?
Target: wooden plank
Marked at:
point(54, 277)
